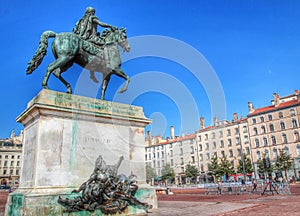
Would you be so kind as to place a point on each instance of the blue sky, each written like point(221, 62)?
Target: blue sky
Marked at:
point(253, 47)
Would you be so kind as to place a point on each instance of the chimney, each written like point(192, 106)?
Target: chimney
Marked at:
point(202, 123)
point(297, 92)
point(148, 135)
point(276, 99)
point(172, 132)
point(250, 107)
point(215, 120)
point(235, 117)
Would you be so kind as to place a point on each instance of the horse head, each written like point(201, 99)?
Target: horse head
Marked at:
point(118, 36)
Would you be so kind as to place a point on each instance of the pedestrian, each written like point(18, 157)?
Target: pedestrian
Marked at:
point(254, 185)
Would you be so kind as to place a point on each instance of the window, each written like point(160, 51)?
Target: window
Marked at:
point(222, 154)
point(4, 172)
point(206, 136)
point(247, 150)
point(239, 152)
point(232, 162)
point(238, 141)
point(275, 152)
point(172, 162)
point(229, 142)
point(171, 153)
point(294, 123)
point(214, 145)
point(273, 140)
point(11, 172)
point(262, 119)
point(246, 138)
point(5, 163)
point(255, 131)
point(236, 130)
point(297, 138)
point(298, 151)
point(201, 157)
point(182, 162)
point(199, 137)
point(207, 156)
point(265, 141)
point(245, 129)
point(284, 138)
point(254, 121)
point(292, 112)
point(6, 156)
point(213, 135)
point(11, 163)
point(162, 154)
point(256, 143)
point(286, 150)
point(258, 156)
point(230, 153)
point(221, 133)
point(271, 127)
point(149, 158)
point(171, 145)
point(222, 143)
point(193, 159)
point(280, 114)
point(282, 125)
point(157, 154)
point(192, 150)
point(267, 153)
point(228, 132)
point(270, 117)
point(17, 172)
point(200, 147)
point(181, 151)
point(207, 146)
point(12, 157)
point(263, 129)
point(19, 156)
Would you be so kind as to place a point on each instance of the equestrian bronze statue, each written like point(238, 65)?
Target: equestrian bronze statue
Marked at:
point(86, 47)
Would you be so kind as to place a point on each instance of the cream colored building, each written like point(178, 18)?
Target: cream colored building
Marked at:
point(223, 139)
point(176, 151)
point(11, 159)
point(276, 127)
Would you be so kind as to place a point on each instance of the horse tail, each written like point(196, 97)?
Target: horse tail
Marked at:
point(41, 51)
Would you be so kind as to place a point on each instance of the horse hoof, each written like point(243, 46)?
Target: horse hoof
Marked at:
point(122, 90)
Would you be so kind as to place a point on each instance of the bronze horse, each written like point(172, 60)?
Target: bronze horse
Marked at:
point(69, 48)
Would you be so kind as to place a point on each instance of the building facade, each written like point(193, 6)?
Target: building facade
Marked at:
point(175, 151)
point(263, 133)
point(223, 139)
point(276, 127)
point(11, 159)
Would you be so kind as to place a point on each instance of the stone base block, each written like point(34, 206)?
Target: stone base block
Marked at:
point(37, 204)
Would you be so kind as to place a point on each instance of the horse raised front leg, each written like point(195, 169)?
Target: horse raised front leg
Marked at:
point(119, 72)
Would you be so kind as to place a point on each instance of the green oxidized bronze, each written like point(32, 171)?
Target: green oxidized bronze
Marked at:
point(105, 190)
point(85, 47)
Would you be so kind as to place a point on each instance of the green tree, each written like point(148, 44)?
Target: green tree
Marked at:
point(248, 165)
point(167, 172)
point(283, 162)
point(226, 167)
point(191, 172)
point(214, 167)
point(150, 173)
point(261, 168)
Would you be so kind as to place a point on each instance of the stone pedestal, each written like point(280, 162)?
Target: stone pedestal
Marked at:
point(63, 136)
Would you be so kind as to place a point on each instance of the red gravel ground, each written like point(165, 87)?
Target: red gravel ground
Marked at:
point(265, 205)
